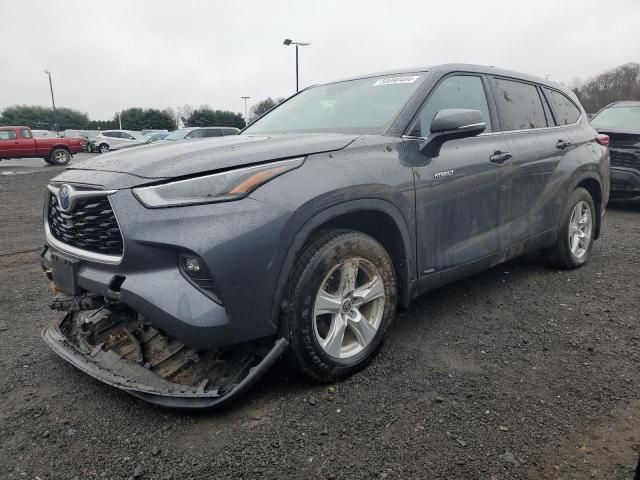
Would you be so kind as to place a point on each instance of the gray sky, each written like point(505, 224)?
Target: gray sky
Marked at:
point(106, 56)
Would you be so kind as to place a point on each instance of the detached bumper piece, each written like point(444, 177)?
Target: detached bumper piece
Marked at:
point(118, 347)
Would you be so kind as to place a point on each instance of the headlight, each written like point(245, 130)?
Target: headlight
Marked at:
point(219, 187)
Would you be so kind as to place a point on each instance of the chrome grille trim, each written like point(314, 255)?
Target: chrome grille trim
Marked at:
point(86, 192)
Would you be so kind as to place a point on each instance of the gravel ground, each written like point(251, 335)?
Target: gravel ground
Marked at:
point(518, 372)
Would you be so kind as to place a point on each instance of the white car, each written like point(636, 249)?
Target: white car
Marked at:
point(108, 139)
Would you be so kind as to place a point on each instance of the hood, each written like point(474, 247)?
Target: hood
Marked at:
point(176, 159)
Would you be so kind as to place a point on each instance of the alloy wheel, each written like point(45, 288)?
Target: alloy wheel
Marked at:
point(349, 307)
point(580, 226)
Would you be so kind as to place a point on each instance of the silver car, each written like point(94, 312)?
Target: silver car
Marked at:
point(201, 132)
point(109, 139)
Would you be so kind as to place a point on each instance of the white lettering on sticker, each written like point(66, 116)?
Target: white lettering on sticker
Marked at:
point(395, 80)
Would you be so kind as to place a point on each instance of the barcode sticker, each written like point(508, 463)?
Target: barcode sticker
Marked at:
point(396, 80)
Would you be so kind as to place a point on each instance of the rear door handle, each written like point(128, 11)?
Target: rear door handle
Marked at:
point(562, 144)
point(500, 157)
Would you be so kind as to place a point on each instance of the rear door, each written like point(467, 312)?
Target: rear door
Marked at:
point(459, 197)
point(27, 144)
point(9, 143)
point(525, 120)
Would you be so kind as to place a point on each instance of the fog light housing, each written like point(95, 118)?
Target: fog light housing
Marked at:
point(191, 264)
point(195, 270)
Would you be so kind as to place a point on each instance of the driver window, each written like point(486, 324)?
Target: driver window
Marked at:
point(195, 134)
point(459, 91)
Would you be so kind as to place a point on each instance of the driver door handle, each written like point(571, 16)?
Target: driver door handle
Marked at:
point(562, 144)
point(500, 157)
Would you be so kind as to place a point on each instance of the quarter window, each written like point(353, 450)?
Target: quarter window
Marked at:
point(519, 105)
point(25, 132)
point(565, 110)
point(459, 91)
point(8, 135)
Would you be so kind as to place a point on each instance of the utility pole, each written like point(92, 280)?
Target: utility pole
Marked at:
point(55, 113)
point(120, 120)
point(288, 42)
point(246, 112)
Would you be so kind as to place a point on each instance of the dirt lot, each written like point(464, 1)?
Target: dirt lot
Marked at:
point(518, 372)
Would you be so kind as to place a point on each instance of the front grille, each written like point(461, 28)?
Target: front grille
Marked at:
point(91, 226)
point(624, 159)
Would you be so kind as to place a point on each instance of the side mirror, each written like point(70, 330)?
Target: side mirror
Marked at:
point(451, 123)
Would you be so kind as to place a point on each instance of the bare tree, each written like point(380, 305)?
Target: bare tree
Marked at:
point(620, 83)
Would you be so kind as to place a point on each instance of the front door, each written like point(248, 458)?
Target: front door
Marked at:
point(9, 143)
point(460, 197)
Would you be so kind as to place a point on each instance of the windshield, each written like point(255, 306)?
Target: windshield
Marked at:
point(366, 105)
point(623, 118)
point(178, 134)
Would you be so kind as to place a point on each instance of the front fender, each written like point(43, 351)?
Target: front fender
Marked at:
point(323, 217)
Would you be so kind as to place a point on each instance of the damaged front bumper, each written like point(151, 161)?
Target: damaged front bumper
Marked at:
point(120, 348)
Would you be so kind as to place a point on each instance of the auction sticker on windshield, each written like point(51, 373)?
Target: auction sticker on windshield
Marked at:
point(395, 80)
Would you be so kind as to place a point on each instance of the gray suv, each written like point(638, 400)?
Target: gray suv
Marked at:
point(186, 270)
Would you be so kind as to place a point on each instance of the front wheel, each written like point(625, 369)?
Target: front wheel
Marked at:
point(104, 148)
point(577, 231)
point(343, 298)
point(59, 157)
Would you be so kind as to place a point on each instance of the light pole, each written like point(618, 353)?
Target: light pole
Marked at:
point(55, 113)
point(246, 113)
point(288, 42)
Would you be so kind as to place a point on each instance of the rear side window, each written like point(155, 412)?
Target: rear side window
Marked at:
point(25, 132)
point(230, 131)
point(519, 105)
point(565, 110)
point(458, 91)
point(8, 135)
point(213, 132)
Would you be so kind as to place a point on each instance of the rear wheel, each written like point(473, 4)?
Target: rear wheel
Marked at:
point(343, 298)
point(575, 238)
point(59, 156)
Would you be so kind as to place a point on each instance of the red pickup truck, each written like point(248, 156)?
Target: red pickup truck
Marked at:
point(18, 142)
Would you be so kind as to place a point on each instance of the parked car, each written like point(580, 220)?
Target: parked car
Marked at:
point(151, 131)
point(621, 122)
point(188, 269)
point(144, 141)
point(201, 132)
point(109, 139)
point(19, 142)
point(43, 134)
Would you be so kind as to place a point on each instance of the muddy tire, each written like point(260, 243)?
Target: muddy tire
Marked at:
point(576, 234)
point(59, 156)
point(342, 300)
